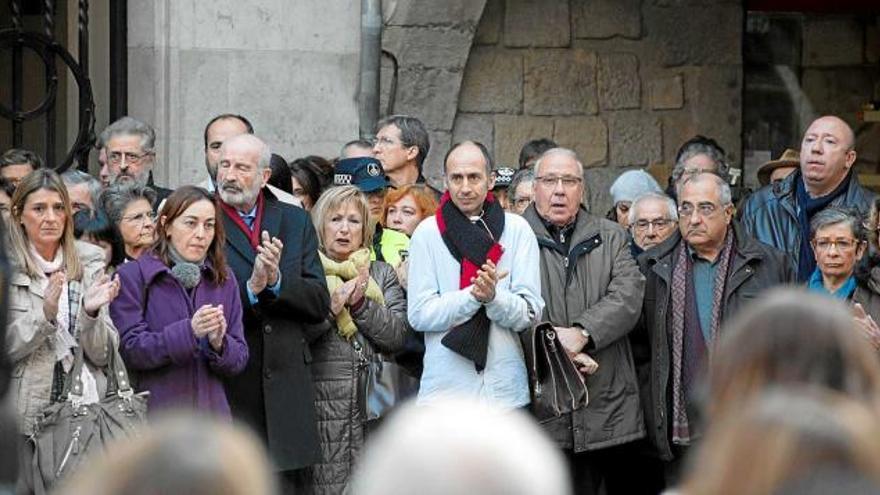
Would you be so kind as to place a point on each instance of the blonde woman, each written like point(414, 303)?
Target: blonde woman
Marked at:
point(58, 300)
point(368, 315)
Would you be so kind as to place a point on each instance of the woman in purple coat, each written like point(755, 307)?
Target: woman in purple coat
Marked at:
point(178, 311)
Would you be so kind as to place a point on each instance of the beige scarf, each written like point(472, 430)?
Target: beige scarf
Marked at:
point(339, 272)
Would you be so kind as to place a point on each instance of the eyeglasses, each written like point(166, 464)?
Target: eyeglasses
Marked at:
point(141, 218)
point(659, 223)
point(385, 142)
point(522, 202)
point(703, 209)
point(843, 245)
point(116, 157)
point(550, 181)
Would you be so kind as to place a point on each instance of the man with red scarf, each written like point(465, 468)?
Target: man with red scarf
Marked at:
point(474, 284)
point(272, 248)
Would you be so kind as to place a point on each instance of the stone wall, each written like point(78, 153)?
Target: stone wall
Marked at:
point(290, 67)
point(623, 82)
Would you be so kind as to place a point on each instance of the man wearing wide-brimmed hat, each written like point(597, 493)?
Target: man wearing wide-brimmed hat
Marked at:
point(776, 170)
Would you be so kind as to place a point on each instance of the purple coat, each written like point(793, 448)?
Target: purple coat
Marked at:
point(157, 342)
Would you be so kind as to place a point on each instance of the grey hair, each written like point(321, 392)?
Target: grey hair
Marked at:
point(521, 176)
point(73, 177)
point(265, 157)
point(117, 197)
point(699, 147)
point(559, 151)
point(412, 133)
point(670, 204)
point(834, 216)
point(130, 126)
point(724, 194)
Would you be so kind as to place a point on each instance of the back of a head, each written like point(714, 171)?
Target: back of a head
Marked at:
point(184, 454)
point(782, 435)
point(458, 446)
point(533, 149)
point(789, 337)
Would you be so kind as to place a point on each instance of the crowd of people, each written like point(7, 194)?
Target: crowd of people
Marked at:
point(275, 293)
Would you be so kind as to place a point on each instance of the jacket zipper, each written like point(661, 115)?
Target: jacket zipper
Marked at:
point(72, 448)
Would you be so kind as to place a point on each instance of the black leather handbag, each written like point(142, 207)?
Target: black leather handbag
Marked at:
point(556, 385)
point(382, 382)
point(69, 432)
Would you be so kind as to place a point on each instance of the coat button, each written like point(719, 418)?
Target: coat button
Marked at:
point(268, 374)
point(267, 329)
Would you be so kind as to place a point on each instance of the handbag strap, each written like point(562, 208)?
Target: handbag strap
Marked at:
point(117, 376)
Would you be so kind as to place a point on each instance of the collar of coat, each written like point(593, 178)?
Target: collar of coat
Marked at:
point(854, 193)
point(586, 226)
point(151, 266)
point(747, 249)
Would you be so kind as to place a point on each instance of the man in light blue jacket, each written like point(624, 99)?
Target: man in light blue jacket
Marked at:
point(474, 284)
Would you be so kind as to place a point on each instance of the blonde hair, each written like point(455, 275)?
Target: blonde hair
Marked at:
point(49, 180)
point(334, 198)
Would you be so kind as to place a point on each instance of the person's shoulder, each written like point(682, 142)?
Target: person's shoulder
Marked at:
point(427, 227)
point(89, 254)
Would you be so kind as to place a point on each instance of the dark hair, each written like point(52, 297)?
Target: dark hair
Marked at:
point(18, 156)
point(174, 206)
point(100, 228)
point(490, 165)
point(701, 145)
point(320, 166)
point(412, 133)
point(7, 187)
point(280, 177)
point(533, 149)
point(308, 179)
point(225, 116)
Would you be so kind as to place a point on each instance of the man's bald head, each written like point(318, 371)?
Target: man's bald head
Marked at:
point(827, 154)
point(846, 132)
point(249, 143)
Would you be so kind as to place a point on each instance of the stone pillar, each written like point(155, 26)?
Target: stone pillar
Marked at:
point(289, 67)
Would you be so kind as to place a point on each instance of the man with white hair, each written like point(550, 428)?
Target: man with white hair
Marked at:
point(652, 219)
point(83, 189)
point(593, 292)
point(130, 147)
point(272, 248)
point(696, 279)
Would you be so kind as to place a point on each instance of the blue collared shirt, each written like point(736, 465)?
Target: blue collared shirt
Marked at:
point(249, 219)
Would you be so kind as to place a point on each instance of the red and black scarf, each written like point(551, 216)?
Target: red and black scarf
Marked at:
point(253, 233)
point(471, 244)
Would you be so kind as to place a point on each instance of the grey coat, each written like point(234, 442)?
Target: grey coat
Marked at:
point(595, 285)
point(335, 369)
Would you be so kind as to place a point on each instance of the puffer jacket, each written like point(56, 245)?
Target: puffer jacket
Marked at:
point(30, 338)
point(754, 268)
point(595, 285)
point(770, 214)
point(335, 368)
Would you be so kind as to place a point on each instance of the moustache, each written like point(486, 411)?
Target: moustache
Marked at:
point(231, 186)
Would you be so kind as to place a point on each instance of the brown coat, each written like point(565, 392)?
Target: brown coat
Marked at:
point(595, 285)
point(335, 368)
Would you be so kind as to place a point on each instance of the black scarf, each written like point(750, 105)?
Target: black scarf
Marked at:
point(471, 244)
point(807, 207)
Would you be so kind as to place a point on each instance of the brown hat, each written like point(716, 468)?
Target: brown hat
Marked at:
point(789, 158)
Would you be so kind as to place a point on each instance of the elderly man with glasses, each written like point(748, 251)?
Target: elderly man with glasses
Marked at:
point(698, 278)
point(652, 219)
point(593, 293)
point(129, 147)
